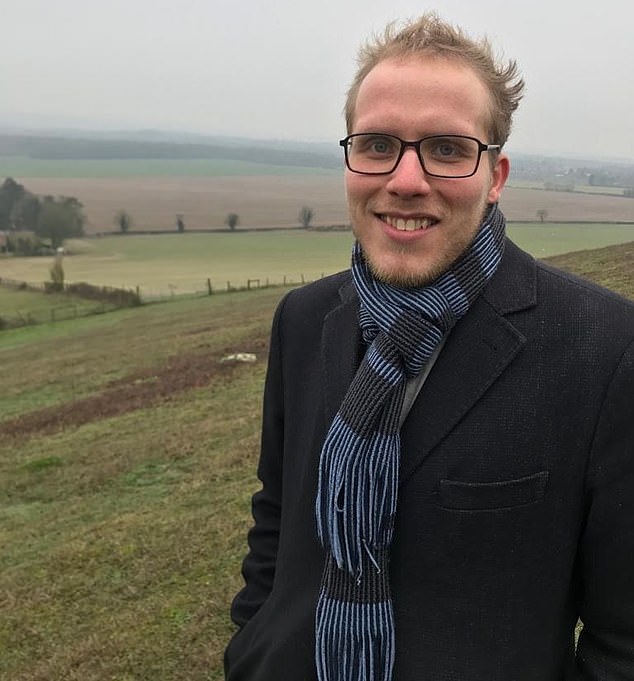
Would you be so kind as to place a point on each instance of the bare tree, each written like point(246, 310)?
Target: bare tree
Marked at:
point(57, 273)
point(232, 221)
point(123, 220)
point(305, 216)
point(542, 214)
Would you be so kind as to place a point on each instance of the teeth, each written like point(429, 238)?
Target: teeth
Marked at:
point(409, 225)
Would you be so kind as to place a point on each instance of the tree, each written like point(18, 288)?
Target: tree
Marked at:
point(60, 219)
point(123, 220)
point(542, 214)
point(57, 275)
point(26, 212)
point(11, 192)
point(305, 216)
point(180, 223)
point(232, 221)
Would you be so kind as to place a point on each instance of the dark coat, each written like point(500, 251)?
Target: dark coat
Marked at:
point(516, 498)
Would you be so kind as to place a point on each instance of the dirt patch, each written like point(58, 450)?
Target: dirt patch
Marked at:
point(138, 390)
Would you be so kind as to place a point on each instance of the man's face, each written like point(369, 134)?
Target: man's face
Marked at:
point(413, 98)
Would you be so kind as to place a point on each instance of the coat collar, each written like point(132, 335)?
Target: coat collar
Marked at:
point(478, 350)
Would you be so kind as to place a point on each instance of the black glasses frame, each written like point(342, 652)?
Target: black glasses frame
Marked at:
point(416, 144)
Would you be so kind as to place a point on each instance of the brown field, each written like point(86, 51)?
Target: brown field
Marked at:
point(267, 201)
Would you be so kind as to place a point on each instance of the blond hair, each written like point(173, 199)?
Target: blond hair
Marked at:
point(431, 36)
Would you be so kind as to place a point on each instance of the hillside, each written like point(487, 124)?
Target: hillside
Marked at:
point(612, 266)
point(127, 462)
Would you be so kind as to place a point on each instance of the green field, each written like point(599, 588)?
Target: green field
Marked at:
point(126, 458)
point(578, 188)
point(28, 307)
point(170, 264)
point(166, 264)
point(127, 462)
point(23, 167)
point(544, 240)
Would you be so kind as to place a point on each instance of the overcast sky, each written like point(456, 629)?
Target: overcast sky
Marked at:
point(280, 68)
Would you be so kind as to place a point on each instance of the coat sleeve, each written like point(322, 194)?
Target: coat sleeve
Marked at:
point(606, 645)
point(258, 568)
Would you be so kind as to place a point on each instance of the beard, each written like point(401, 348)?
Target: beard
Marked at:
point(412, 277)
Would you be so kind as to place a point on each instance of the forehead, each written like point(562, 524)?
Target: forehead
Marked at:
point(419, 95)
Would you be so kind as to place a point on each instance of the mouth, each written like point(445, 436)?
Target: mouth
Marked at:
point(408, 224)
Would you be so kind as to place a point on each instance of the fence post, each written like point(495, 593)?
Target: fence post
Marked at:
point(209, 288)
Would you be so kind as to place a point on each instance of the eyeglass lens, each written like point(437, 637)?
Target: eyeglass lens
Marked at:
point(446, 155)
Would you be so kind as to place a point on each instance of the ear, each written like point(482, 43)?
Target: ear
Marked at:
point(499, 175)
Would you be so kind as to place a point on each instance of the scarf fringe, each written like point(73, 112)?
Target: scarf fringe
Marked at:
point(353, 642)
point(355, 510)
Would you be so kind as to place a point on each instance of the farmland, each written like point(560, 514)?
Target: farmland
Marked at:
point(170, 264)
point(275, 200)
point(204, 191)
point(127, 461)
point(127, 445)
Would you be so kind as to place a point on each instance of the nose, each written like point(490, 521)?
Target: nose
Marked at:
point(408, 178)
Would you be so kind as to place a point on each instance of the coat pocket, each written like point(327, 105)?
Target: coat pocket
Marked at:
point(490, 496)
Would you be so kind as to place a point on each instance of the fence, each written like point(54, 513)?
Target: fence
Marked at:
point(90, 306)
point(54, 314)
point(86, 300)
point(214, 288)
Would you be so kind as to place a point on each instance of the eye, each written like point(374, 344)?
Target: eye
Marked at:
point(377, 145)
point(446, 149)
point(449, 149)
point(381, 146)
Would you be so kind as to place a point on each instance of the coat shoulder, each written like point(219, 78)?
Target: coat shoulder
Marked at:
point(524, 283)
point(315, 300)
point(575, 287)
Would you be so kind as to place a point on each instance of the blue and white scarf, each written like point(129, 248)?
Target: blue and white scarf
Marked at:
point(358, 470)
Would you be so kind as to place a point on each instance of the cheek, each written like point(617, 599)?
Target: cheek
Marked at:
point(352, 187)
point(470, 195)
point(359, 188)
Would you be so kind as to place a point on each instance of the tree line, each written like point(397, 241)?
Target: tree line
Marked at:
point(43, 147)
point(34, 224)
point(305, 217)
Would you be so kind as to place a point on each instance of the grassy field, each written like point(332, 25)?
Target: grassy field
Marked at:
point(25, 167)
point(163, 265)
point(127, 457)
point(579, 188)
point(124, 450)
point(25, 306)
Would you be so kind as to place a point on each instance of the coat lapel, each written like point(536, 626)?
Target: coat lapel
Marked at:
point(476, 353)
point(478, 350)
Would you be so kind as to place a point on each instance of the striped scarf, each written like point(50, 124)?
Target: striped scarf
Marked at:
point(358, 469)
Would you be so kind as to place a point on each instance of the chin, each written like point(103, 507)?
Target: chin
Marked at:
point(404, 276)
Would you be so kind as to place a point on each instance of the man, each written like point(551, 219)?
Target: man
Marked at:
point(447, 457)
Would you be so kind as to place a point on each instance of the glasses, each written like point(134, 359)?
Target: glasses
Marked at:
point(375, 153)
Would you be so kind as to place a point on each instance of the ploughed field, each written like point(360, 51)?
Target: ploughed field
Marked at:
point(275, 200)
